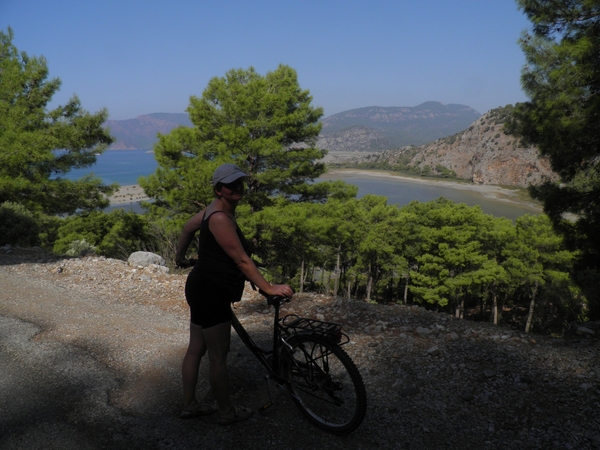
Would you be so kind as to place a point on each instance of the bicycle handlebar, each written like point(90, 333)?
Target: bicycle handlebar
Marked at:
point(191, 262)
point(274, 299)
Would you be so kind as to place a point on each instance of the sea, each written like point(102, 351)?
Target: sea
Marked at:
point(126, 166)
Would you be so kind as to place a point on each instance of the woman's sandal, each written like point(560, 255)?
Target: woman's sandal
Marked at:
point(197, 410)
point(238, 414)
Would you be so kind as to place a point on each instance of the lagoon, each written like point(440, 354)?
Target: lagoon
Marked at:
point(126, 166)
point(119, 166)
point(399, 190)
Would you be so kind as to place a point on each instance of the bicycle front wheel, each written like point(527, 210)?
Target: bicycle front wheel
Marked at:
point(325, 383)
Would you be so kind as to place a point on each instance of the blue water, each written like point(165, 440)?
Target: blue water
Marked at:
point(126, 166)
point(119, 166)
point(402, 192)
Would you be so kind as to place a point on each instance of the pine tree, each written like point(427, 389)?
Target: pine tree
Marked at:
point(562, 118)
point(38, 146)
point(264, 124)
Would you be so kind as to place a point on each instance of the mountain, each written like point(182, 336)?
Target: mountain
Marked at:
point(383, 128)
point(140, 133)
point(482, 153)
point(364, 129)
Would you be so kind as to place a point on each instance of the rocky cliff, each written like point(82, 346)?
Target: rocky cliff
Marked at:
point(482, 153)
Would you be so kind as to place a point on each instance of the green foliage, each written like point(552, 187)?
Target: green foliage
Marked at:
point(448, 256)
point(444, 172)
point(48, 226)
point(116, 235)
point(264, 124)
point(562, 79)
point(38, 146)
point(377, 244)
point(18, 226)
point(500, 115)
point(80, 248)
point(537, 259)
point(283, 230)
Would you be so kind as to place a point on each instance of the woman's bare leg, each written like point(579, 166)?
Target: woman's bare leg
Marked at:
point(191, 364)
point(217, 340)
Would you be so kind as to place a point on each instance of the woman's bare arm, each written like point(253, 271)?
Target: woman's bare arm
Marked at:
point(187, 235)
point(224, 231)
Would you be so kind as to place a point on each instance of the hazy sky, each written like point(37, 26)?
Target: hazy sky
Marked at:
point(144, 56)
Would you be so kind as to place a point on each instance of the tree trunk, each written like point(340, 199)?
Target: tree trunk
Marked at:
point(336, 284)
point(531, 307)
point(459, 313)
point(369, 285)
point(302, 276)
point(501, 306)
point(406, 289)
point(494, 307)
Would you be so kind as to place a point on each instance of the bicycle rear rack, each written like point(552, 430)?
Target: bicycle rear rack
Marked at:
point(330, 331)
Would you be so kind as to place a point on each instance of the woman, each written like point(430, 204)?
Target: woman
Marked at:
point(216, 281)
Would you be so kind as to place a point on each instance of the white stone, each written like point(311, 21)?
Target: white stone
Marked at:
point(144, 259)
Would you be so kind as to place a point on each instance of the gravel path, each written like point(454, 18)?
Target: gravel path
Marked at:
point(90, 351)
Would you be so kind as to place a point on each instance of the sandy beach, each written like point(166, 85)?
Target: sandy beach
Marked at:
point(128, 194)
point(486, 190)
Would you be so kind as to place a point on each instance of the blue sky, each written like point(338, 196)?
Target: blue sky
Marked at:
point(137, 57)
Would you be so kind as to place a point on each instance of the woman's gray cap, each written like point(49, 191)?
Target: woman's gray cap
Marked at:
point(227, 173)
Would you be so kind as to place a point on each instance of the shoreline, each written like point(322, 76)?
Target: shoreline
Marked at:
point(485, 190)
point(134, 194)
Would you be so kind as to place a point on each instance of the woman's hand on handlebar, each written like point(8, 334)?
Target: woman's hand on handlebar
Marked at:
point(282, 290)
point(185, 263)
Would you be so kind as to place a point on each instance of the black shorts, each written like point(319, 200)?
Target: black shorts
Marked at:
point(209, 300)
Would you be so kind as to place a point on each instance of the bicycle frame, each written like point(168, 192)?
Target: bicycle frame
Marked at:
point(298, 325)
point(263, 355)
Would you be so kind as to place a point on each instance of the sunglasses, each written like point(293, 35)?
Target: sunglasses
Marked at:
point(234, 184)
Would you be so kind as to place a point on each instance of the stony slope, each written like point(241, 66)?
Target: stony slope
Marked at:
point(482, 153)
point(90, 351)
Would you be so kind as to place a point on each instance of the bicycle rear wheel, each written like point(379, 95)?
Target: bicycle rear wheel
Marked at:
point(325, 383)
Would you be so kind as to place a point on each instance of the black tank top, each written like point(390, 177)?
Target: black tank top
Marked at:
point(212, 259)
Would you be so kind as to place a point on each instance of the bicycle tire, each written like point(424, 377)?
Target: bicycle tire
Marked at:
point(325, 383)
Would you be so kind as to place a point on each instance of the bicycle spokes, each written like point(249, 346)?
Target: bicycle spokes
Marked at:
point(325, 383)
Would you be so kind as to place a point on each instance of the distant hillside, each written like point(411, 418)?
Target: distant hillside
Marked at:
point(364, 129)
point(383, 128)
point(140, 133)
point(482, 153)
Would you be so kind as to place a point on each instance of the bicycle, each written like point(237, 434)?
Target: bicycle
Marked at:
point(308, 362)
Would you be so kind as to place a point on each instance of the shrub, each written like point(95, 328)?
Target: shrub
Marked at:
point(80, 248)
point(18, 226)
point(49, 226)
point(116, 234)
